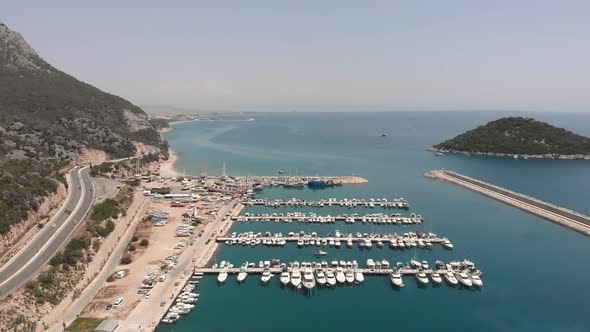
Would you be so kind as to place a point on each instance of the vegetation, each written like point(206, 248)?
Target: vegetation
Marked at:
point(126, 260)
point(517, 135)
point(47, 118)
point(131, 247)
point(82, 324)
point(134, 238)
point(144, 242)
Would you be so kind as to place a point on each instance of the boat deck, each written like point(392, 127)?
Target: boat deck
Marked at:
point(350, 203)
point(372, 219)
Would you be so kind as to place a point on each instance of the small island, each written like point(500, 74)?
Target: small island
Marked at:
point(519, 137)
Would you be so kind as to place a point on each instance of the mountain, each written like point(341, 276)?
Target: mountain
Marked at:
point(46, 118)
point(519, 136)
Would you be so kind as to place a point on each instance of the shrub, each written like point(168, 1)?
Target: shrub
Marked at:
point(126, 260)
point(134, 238)
point(110, 278)
point(144, 242)
point(131, 247)
point(40, 225)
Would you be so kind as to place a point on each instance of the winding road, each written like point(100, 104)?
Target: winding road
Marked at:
point(35, 254)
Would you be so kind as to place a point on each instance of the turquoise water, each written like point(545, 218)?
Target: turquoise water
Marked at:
point(534, 271)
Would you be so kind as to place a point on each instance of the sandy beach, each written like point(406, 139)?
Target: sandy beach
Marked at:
point(167, 167)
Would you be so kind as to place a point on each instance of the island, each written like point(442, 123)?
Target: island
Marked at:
point(518, 137)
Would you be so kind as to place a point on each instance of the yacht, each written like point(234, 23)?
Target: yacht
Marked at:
point(242, 275)
point(396, 278)
point(320, 253)
point(421, 277)
point(266, 275)
point(447, 244)
point(340, 277)
point(476, 280)
point(349, 276)
point(296, 278)
point(464, 279)
point(222, 277)
point(450, 278)
point(330, 277)
point(320, 277)
point(285, 278)
point(300, 243)
point(308, 278)
point(415, 263)
point(358, 276)
point(436, 278)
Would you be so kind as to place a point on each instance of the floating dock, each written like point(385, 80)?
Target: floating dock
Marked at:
point(376, 218)
point(398, 203)
point(559, 215)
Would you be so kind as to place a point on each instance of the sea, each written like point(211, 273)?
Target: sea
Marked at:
point(535, 272)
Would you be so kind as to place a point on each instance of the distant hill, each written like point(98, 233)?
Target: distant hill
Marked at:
point(46, 118)
point(519, 136)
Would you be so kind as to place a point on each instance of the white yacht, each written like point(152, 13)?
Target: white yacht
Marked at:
point(340, 277)
point(349, 276)
point(222, 277)
point(320, 277)
point(330, 277)
point(358, 276)
point(421, 277)
point(266, 275)
point(447, 244)
point(415, 263)
point(285, 278)
point(308, 278)
point(296, 278)
point(436, 278)
point(464, 279)
point(242, 275)
point(476, 280)
point(450, 278)
point(396, 278)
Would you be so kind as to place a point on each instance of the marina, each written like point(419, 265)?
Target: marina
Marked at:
point(374, 218)
point(398, 203)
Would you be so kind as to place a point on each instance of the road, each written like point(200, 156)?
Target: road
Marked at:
point(49, 241)
point(31, 258)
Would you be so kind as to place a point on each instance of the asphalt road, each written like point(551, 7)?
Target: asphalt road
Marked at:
point(37, 253)
point(31, 259)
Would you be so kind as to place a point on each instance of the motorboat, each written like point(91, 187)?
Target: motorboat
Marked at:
point(296, 278)
point(266, 275)
point(222, 277)
point(464, 279)
point(436, 278)
point(320, 277)
point(358, 276)
point(349, 276)
point(340, 277)
point(450, 278)
point(476, 280)
point(422, 278)
point(285, 278)
point(415, 263)
point(308, 278)
point(447, 244)
point(320, 253)
point(396, 279)
point(330, 277)
point(242, 274)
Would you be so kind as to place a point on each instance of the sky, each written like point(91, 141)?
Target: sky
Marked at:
point(320, 55)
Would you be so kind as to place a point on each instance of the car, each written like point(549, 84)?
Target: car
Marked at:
point(109, 306)
point(53, 225)
point(194, 260)
point(147, 296)
point(177, 283)
point(74, 221)
point(118, 302)
point(163, 303)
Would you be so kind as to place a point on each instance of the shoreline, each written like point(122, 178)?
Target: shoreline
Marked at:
point(515, 155)
point(167, 169)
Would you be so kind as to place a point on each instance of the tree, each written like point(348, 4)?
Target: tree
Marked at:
point(144, 242)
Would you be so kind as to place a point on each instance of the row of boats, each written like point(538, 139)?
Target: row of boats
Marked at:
point(396, 241)
point(185, 302)
point(398, 203)
point(311, 274)
point(373, 218)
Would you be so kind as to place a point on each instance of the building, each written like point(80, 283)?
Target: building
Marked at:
point(107, 325)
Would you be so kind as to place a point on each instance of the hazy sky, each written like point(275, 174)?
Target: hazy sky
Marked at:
point(320, 55)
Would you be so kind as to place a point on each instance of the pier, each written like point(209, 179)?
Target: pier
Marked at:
point(398, 203)
point(374, 218)
point(548, 211)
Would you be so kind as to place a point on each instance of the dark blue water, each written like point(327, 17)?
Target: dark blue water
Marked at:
point(534, 271)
